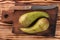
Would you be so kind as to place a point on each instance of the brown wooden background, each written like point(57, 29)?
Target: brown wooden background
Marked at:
point(6, 31)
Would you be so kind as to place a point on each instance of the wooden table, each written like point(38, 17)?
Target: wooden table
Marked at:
point(6, 32)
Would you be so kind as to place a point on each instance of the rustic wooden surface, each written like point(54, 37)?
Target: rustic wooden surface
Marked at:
point(6, 32)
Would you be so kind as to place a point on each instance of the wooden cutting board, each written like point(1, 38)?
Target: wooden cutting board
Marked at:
point(6, 32)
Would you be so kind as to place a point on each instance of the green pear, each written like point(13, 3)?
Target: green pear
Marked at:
point(27, 18)
point(40, 26)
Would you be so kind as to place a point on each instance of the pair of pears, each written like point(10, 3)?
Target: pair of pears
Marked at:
point(40, 25)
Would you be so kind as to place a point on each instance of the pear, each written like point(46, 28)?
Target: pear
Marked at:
point(40, 26)
point(27, 18)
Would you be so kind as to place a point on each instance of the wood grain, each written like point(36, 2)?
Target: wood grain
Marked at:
point(6, 32)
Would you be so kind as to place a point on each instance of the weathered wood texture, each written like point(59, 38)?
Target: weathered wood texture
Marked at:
point(6, 32)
